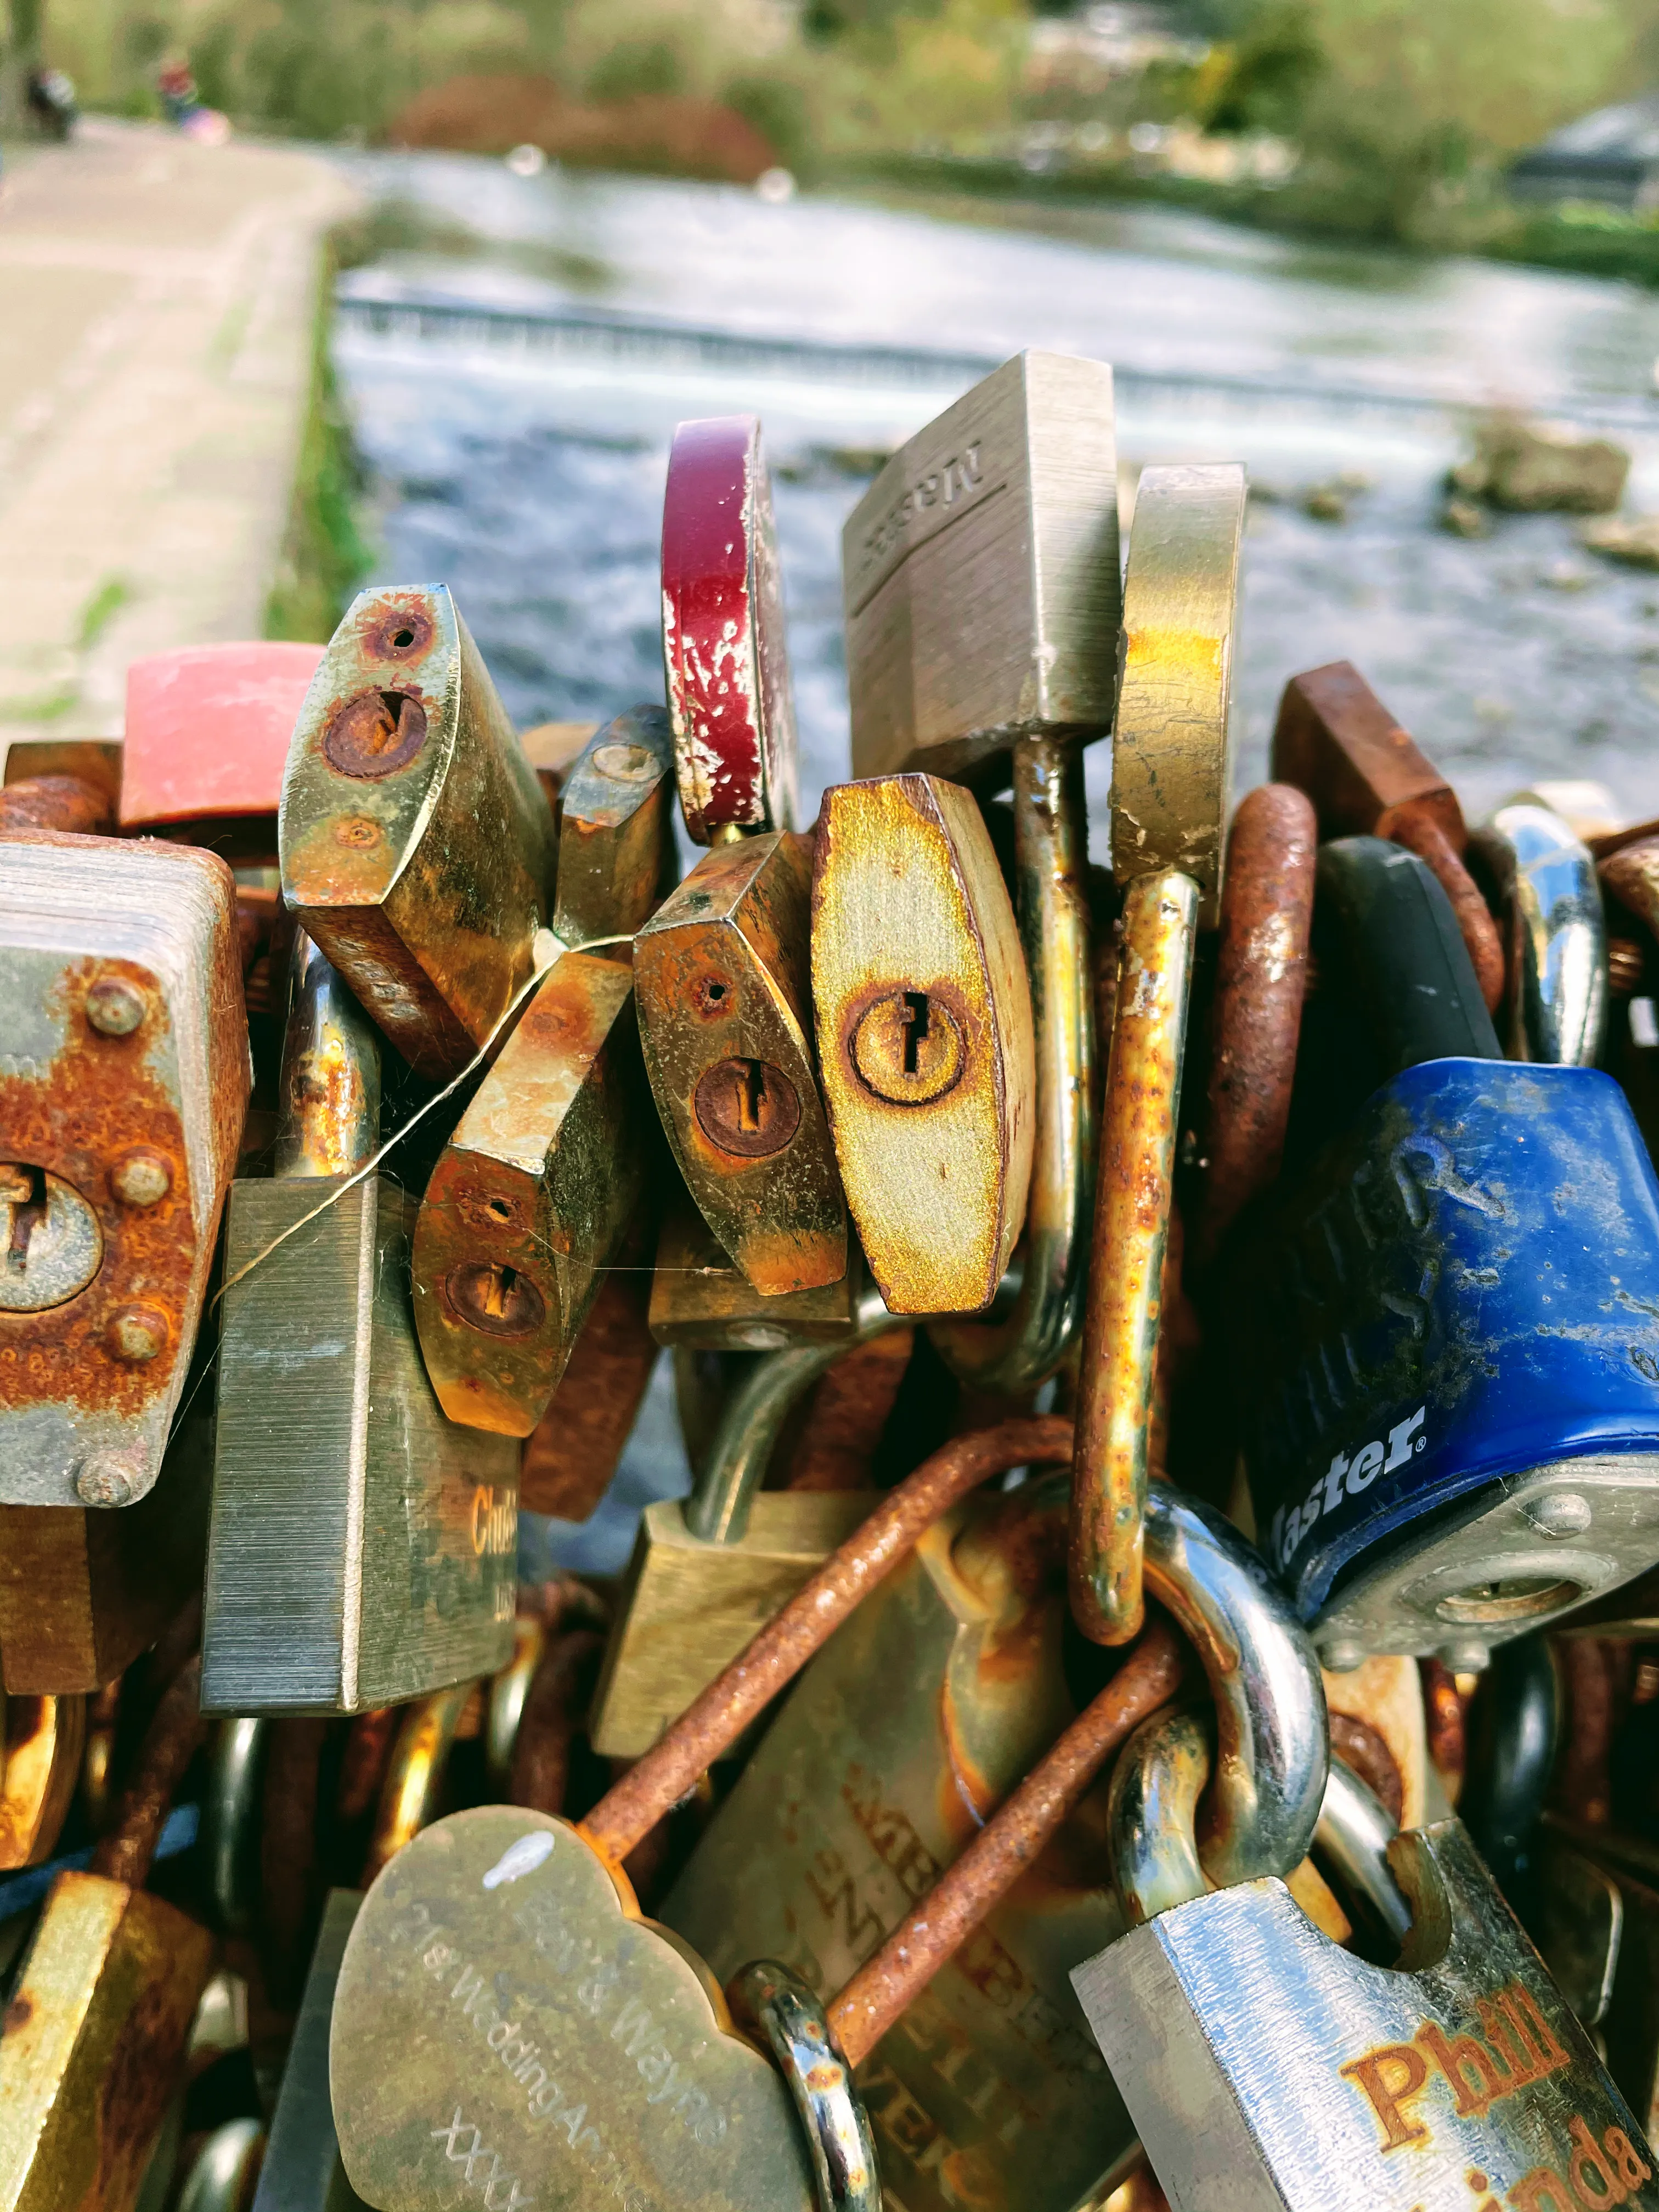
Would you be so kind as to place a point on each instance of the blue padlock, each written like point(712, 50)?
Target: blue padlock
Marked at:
point(1446, 1338)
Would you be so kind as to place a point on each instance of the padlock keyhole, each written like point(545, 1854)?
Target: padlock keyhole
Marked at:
point(915, 1027)
point(751, 1095)
point(24, 1189)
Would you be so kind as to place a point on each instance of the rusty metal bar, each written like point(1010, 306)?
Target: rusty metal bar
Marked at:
point(1010, 1842)
point(719, 1717)
point(1133, 1191)
point(67, 804)
point(1262, 972)
point(169, 1744)
point(553, 1711)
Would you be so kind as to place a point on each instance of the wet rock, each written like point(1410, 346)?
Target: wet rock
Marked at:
point(1465, 518)
point(1631, 539)
point(1326, 503)
point(1534, 467)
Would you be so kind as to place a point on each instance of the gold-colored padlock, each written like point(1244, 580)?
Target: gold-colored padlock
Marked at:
point(417, 846)
point(924, 1023)
point(700, 1301)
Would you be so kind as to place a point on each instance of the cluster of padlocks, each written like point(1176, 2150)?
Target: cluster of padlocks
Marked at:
point(1169, 1355)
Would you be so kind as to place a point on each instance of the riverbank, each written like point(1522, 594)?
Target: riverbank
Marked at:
point(159, 365)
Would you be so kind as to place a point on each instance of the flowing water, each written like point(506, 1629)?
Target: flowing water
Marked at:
point(514, 403)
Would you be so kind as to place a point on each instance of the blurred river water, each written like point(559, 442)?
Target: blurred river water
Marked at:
point(514, 402)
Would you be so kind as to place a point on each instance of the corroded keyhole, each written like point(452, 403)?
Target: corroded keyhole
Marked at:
point(375, 733)
point(908, 1048)
point(747, 1107)
point(495, 1299)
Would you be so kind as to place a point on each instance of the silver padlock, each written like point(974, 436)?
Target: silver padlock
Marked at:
point(1268, 2070)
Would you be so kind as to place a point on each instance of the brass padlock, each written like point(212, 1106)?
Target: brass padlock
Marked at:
point(1170, 776)
point(980, 575)
point(700, 1301)
point(482, 1932)
point(124, 1079)
point(725, 653)
point(1338, 742)
point(726, 1025)
point(367, 1554)
point(417, 847)
point(616, 830)
point(94, 2037)
point(924, 1023)
point(707, 1571)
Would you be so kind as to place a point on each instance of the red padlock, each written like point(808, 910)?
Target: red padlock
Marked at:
point(207, 740)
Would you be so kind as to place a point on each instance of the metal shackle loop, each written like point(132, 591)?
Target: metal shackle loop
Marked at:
point(1558, 935)
point(1152, 1815)
point(1355, 1830)
point(1271, 1740)
point(832, 2114)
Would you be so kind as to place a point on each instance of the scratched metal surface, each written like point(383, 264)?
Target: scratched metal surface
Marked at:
point(521, 456)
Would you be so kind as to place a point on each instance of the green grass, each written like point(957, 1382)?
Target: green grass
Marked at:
point(324, 557)
point(100, 610)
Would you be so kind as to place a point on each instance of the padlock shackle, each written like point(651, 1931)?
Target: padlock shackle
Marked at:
point(1133, 1191)
point(1547, 884)
point(776, 1655)
point(1009, 1844)
point(1255, 1017)
point(1152, 1816)
point(328, 1112)
point(754, 1417)
point(169, 1744)
point(72, 805)
point(414, 1775)
point(1355, 1830)
point(1052, 902)
point(1271, 1750)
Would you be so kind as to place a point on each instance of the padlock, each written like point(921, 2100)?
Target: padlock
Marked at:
point(700, 1300)
point(516, 1927)
point(1265, 2066)
point(93, 2035)
point(1544, 886)
point(725, 1025)
point(532, 1197)
point(302, 2171)
point(1338, 742)
point(124, 1078)
point(39, 1768)
point(207, 736)
point(74, 805)
point(616, 830)
point(725, 653)
point(367, 1554)
point(925, 1039)
point(898, 1741)
point(39, 762)
point(417, 847)
point(1450, 1407)
point(1170, 775)
point(708, 1571)
point(980, 575)
point(1030, 676)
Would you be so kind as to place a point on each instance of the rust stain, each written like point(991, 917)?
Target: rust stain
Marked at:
point(92, 1107)
point(170, 1743)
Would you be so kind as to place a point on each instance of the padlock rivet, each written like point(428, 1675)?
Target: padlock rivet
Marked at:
point(105, 1479)
point(627, 763)
point(114, 1007)
point(1563, 1513)
point(1341, 1654)
point(140, 1178)
point(137, 1335)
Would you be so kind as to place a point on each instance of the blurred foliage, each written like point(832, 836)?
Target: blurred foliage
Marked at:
point(324, 557)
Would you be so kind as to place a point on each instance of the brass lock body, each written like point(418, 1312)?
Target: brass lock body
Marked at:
point(532, 1197)
point(980, 575)
point(925, 1038)
point(700, 1300)
point(123, 1080)
point(899, 1741)
point(417, 847)
point(726, 1027)
point(616, 828)
point(363, 1549)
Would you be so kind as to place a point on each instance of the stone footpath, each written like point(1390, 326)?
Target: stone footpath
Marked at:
point(156, 306)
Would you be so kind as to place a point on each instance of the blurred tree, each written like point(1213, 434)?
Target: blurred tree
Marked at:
point(22, 54)
point(636, 65)
point(1261, 81)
